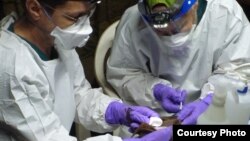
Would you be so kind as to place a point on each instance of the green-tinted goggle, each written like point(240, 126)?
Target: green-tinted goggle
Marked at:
point(161, 19)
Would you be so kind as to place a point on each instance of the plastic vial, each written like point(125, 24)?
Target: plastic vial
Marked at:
point(215, 113)
point(237, 113)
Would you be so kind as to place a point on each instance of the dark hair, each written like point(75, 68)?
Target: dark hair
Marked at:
point(54, 3)
point(51, 3)
point(11, 131)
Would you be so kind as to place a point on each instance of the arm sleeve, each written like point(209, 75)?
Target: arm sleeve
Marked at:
point(132, 82)
point(23, 106)
point(232, 60)
point(91, 103)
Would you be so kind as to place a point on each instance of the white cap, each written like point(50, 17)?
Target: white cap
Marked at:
point(155, 121)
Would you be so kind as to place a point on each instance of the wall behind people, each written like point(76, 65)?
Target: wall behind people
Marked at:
point(7, 6)
point(106, 13)
point(245, 4)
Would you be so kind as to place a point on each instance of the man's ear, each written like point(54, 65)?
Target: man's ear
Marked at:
point(34, 9)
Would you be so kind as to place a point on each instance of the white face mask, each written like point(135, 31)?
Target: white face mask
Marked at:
point(179, 39)
point(76, 35)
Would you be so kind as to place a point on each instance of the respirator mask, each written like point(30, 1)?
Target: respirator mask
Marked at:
point(77, 34)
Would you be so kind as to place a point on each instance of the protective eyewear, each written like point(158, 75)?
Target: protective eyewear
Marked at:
point(90, 12)
point(163, 18)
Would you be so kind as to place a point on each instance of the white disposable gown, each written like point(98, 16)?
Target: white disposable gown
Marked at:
point(140, 58)
point(43, 98)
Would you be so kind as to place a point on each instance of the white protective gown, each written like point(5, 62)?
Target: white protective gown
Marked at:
point(43, 98)
point(140, 58)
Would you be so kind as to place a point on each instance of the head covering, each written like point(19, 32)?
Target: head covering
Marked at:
point(168, 3)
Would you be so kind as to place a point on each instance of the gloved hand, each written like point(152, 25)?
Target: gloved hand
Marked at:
point(159, 135)
point(190, 112)
point(132, 116)
point(170, 98)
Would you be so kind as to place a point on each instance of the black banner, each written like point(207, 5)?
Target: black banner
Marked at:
point(211, 132)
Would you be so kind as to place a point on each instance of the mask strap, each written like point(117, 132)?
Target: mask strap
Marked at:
point(45, 12)
point(186, 6)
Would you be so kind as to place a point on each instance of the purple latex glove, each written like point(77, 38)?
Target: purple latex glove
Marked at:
point(159, 135)
point(190, 112)
point(170, 98)
point(132, 116)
